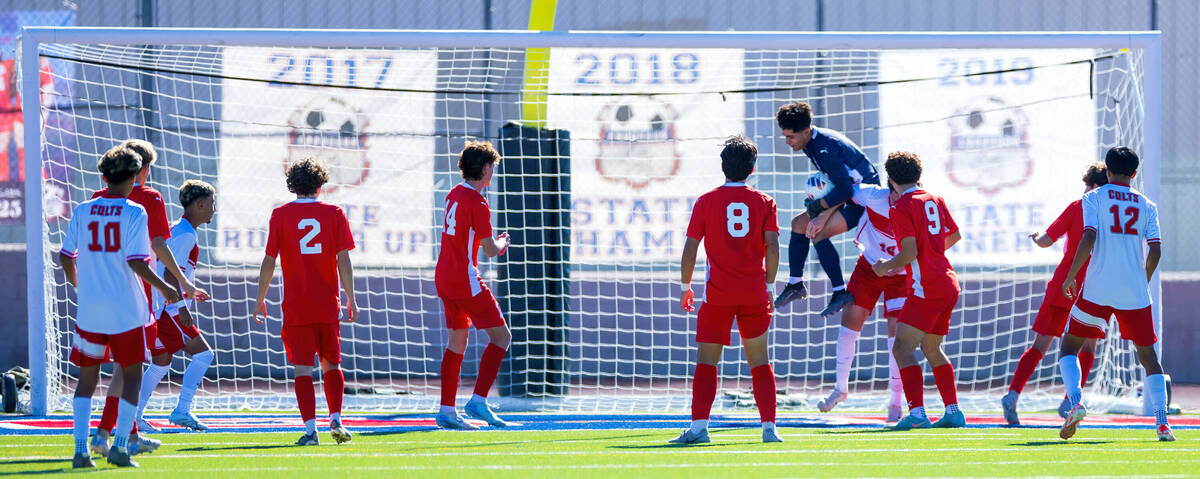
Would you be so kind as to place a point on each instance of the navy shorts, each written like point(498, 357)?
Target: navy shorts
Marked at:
point(852, 212)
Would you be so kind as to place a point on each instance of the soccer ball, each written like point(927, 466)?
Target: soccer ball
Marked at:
point(818, 186)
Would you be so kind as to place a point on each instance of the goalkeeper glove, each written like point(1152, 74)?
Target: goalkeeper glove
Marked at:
point(814, 207)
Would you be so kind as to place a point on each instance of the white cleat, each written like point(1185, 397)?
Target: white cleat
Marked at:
point(690, 437)
point(339, 432)
point(827, 404)
point(1164, 433)
point(186, 419)
point(771, 435)
point(1073, 419)
point(142, 444)
point(448, 421)
point(144, 425)
point(100, 443)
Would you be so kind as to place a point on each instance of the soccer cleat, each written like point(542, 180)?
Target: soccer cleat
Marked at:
point(139, 444)
point(186, 419)
point(144, 425)
point(690, 437)
point(1009, 404)
point(120, 458)
point(894, 412)
point(82, 460)
point(99, 443)
point(308, 439)
point(1064, 408)
point(912, 422)
point(447, 421)
point(792, 292)
point(840, 300)
point(339, 433)
point(480, 410)
point(951, 420)
point(1073, 418)
point(769, 435)
point(827, 404)
point(1164, 433)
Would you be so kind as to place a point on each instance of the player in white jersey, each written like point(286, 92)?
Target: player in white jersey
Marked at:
point(175, 329)
point(875, 240)
point(103, 255)
point(1117, 220)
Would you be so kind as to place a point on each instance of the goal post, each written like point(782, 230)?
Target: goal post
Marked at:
point(409, 98)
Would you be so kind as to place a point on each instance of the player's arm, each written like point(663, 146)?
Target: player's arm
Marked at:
point(1084, 251)
point(815, 225)
point(1153, 253)
point(265, 271)
point(1041, 239)
point(142, 269)
point(771, 238)
point(494, 247)
point(346, 274)
point(908, 252)
point(839, 175)
point(687, 266)
point(1056, 229)
point(952, 238)
point(68, 266)
point(164, 254)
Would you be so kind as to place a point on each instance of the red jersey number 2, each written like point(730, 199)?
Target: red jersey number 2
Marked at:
point(306, 242)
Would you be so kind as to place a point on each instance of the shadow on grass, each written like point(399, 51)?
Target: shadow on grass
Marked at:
point(1058, 443)
point(61, 470)
point(393, 432)
point(864, 431)
point(236, 448)
point(674, 446)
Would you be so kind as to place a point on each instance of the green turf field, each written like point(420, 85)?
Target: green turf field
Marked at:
point(990, 452)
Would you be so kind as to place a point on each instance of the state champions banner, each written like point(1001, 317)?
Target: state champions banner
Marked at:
point(639, 159)
point(1006, 150)
point(378, 146)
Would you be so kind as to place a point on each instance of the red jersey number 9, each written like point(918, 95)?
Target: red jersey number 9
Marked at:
point(935, 219)
point(737, 219)
point(306, 243)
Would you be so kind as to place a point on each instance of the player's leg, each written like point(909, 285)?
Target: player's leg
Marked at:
point(895, 405)
point(108, 415)
point(452, 359)
point(713, 324)
point(1025, 367)
point(1138, 327)
point(160, 365)
point(853, 319)
point(485, 314)
point(798, 245)
point(81, 411)
point(831, 261)
point(333, 381)
point(1068, 366)
point(753, 322)
point(126, 415)
point(300, 345)
point(202, 358)
point(943, 376)
point(908, 338)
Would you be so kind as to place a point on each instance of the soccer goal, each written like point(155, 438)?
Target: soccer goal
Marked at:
point(619, 133)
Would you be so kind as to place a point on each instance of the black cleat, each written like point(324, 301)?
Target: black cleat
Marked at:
point(309, 439)
point(840, 300)
point(82, 461)
point(120, 458)
point(793, 292)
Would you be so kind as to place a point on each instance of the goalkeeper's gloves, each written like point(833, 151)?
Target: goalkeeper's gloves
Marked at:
point(814, 207)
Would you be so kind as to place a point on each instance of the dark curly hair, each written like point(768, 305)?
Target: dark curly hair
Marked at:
point(193, 190)
point(119, 164)
point(794, 116)
point(144, 149)
point(1096, 175)
point(305, 177)
point(737, 158)
point(1122, 160)
point(474, 155)
point(903, 167)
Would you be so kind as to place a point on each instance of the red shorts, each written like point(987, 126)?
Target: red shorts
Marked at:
point(302, 341)
point(480, 310)
point(714, 322)
point(171, 336)
point(1090, 320)
point(931, 315)
point(866, 287)
point(1051, 319)
point(93, 349)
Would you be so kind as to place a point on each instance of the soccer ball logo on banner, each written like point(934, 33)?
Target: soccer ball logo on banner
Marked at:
point(333, 131)
point(989, 149)
point(637, 142)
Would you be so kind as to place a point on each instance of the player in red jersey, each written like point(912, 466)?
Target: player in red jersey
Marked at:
point(312, 240)
point(740, 230)
point(159, 230)
point(924, 230)
point(106, 239)
point(466, 300)
point(1052, 316)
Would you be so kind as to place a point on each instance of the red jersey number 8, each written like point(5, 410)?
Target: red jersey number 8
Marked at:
point(935, 220)
point(306, 244)
point(737, 219)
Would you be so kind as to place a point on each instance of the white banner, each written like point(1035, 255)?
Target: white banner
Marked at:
point(377, 144)
point(1007, 150)
point(639, 162)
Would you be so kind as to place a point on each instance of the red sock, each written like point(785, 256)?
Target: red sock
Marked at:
point(334, 383)
point(704, 390)
point(108, 418)
point(944, 377)
point(1086, 360)
point(763, 379)
point(914, 386)
point(1025, 367)
point(306, 397)
point(489, 366)
point(451, 364)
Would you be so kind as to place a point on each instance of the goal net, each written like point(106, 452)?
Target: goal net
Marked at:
point(622, 133)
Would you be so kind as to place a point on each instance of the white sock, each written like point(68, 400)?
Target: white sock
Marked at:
point(310, 426)
point(795, 279)
point(150, 380)
point(768, 426)
point(1068, 366)
point(699, 425)
point(449, 410)
point(477, 398)
point(917, 412)
point(81, 410)
point(192, 377)
point(125, 417)
point(894, 382)
point(335, 417)
point(846, 345)
point(1156, 387)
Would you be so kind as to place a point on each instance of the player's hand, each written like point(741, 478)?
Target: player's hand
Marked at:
point(171, 296)
point(815, 226)
point(185, 318)
point(770, 304)
point(687, 300)
point(351, 311)
point(261, 309)
point(191, 291)
point(1068, 288)
point(503, 241)
point(880, 268)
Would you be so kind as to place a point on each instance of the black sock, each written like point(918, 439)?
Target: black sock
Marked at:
point(797, 254)
point(831, 262)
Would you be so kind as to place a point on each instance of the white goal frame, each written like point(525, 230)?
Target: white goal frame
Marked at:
point(1150, 42)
